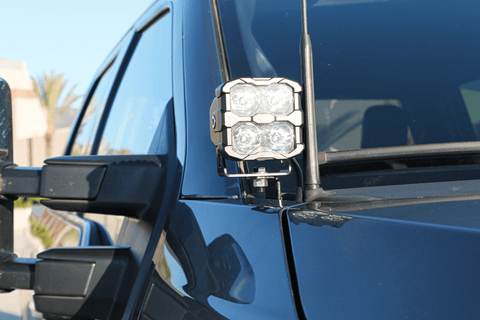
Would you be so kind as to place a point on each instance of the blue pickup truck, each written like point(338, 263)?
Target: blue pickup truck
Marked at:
point(217, 171)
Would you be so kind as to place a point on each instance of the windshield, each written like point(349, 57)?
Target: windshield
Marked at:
point(387, 73)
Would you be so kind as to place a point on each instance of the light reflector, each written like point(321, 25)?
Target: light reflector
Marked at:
point(279, 137)
point(278, 99)
point(247, 138)
point(244, 100)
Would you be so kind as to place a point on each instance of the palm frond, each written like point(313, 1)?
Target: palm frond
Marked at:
point(49, 88)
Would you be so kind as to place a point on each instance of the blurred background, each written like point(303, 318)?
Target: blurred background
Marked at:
point(49, 52)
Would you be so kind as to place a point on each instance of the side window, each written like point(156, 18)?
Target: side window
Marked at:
point(144, 92)
point(86, 131)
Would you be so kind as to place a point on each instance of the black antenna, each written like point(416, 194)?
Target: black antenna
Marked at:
point(311, 173)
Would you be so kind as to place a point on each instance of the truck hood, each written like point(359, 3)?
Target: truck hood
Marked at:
point(399, 252)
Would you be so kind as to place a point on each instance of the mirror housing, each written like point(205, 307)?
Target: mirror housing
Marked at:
point(6, 158)
point(6, 144)
point(82, 283)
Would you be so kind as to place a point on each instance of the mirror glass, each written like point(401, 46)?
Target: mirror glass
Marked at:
point(5, 122)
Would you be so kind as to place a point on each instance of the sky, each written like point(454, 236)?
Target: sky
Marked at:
point(65, 36)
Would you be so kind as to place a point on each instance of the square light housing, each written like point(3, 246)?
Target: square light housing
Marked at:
point(257, 119)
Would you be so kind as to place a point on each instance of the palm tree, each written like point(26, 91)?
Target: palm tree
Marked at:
point(49, 88)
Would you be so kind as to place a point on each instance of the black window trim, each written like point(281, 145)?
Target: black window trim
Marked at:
point(79, 119)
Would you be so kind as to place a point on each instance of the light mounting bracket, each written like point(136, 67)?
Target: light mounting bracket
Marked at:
point(285, 170)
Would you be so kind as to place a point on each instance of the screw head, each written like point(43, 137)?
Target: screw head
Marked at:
point(214, 122)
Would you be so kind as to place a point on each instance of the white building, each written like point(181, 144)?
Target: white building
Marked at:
point(29, 118)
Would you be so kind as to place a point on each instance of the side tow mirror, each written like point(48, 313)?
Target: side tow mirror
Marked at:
point(6, 158)
point(78, 282)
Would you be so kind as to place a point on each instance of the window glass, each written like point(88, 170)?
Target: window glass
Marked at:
point(354, 124)
point(86, 132)
point(112, 224)
point(471, 97)
point(417, 52)
point(145, 90)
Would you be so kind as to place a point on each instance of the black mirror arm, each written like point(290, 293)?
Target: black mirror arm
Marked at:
point(16, 273)
point(97, 184)
point(20, 181)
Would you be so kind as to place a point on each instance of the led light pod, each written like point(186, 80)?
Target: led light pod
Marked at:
point(257, 119)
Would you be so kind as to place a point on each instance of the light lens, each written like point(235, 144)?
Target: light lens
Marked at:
point(279, 137)
point(278, 99)
point(248, 100)
point(244, 100)
point(247, 138)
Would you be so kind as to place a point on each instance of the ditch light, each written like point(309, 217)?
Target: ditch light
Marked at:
point(257, 119)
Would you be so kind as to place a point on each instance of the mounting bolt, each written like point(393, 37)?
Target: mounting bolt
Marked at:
point(261, 182)
point(214, 122)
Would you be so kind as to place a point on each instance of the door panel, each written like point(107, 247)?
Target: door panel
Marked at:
point(221, 258)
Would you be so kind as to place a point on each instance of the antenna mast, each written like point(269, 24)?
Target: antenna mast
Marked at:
point(311, 172)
